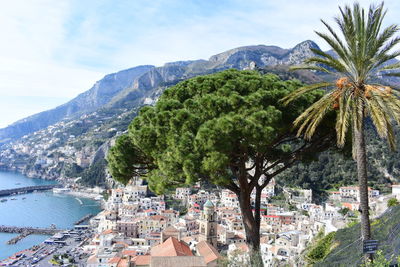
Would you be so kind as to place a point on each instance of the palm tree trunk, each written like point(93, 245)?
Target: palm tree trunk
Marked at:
point(361, 158)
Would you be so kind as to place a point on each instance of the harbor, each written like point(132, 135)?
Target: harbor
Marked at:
point(37, 210)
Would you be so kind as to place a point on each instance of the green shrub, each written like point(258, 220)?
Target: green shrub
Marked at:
point(381, 261)
point(321, 248)
point(392, 202)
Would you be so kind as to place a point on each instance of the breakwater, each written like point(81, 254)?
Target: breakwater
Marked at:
point(33, 230)
point(25, 231)
point(15, 240)
point(84, 218)
point(27, 189)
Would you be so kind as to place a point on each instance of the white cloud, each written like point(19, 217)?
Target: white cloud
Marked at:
point(31, 31)
point(60, 48)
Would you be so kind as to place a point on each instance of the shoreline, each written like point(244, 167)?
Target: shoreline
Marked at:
point(83, 194)
point(78, 192)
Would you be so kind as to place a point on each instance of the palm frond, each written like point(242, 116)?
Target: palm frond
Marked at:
point(390, 67)
point(310, 67)
point(303, 90)
point(309, 120)
point(327, 62)
point(392, 74)
point(364, 49)
point(339, 48)
point(343, 119)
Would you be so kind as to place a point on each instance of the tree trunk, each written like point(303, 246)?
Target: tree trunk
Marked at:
point(361, 158)
point(251, 226)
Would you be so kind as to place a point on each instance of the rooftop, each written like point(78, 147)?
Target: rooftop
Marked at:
point(171, 247)
point(209, 204)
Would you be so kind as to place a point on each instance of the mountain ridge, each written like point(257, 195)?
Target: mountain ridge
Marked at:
point(134, 83)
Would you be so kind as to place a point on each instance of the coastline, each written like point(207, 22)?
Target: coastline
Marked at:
point(83, 194)
point(93, 194)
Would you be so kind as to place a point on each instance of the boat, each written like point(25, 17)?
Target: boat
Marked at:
point(24, 198)
point(13, 198)
point(61, 190)
point(3, 200)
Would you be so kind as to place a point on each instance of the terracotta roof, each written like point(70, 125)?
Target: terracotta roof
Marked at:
point(114, 260)
point(127, 252)
point(92, 260)
point(243, 247)
point(171, 229)
point(123, 263)
point(168, 211)
point(181, 261)
point(207, 251)
point(347, 205)
point(158, 218)
point(142, 260)
point(107, 232)
point(194, 210)
point(171, 247)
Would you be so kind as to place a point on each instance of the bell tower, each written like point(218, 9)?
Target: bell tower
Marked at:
point(208, 224)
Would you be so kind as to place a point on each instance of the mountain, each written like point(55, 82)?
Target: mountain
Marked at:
point(94, 98)
point(127, 88)
point(72, 139)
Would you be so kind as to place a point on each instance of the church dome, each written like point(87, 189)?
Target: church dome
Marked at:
point(209, 204)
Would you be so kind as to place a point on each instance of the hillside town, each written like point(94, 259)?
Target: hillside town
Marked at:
point(136, 229)
point(171, 134)
point(54, 152)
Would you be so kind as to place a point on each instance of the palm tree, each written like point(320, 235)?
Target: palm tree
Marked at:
point(363, 52)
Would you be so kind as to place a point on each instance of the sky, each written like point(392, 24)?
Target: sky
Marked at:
point(51, 51)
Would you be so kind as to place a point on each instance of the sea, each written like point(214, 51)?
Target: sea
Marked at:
point(40, 209)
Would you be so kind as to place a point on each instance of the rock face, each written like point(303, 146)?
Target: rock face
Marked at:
point(129, 88)
point(100, 94)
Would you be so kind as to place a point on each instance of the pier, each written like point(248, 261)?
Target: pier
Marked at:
point(84, 218)
point(33, 230)
point(28, 189)
point(14, 240)
point(25, 231)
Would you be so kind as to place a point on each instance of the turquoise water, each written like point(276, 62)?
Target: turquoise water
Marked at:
point(10, 180)
point(39, 209)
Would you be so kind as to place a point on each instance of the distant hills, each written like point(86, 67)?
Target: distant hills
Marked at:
point(129, 88)
point(71, 141)
point(94, 98)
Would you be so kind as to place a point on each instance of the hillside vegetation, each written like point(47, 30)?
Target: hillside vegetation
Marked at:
point(347, 244)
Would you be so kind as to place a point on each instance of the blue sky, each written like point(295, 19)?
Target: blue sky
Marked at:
point(50, 51)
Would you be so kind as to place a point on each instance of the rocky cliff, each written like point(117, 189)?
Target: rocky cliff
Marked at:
point(129, 87)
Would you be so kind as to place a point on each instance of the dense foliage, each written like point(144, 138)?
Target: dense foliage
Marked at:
point(95, 174)
point(229, 129)
point(334, 169)
point(392, 202)
point(197, 127)
point(321, 248)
